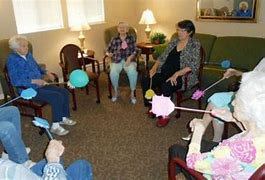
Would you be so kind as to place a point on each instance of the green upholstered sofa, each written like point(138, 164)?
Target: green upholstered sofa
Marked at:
point(243, 53)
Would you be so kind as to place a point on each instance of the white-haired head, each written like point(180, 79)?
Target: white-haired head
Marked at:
point(243, 5)
point(123, 27)
point(251, 96)
point(14, 41)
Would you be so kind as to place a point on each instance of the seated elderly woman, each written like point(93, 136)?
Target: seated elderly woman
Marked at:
point(16, 164)
point(223, 100)
point(122, 51)
point(24, 71)
point(180, 57)
point(242, 154)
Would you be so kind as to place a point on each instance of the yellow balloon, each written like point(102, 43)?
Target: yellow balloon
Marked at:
point(149, 94)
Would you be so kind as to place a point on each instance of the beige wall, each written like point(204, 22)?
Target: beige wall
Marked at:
point(47, 45)
point(167, 12)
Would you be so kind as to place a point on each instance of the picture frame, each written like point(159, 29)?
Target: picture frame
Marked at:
point(227, 10)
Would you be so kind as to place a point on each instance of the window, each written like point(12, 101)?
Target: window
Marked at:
point(85, 11)
point(37, 15)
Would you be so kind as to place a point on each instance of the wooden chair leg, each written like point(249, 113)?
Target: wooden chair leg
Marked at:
point(87, 90)
point(171, 170)
point(73, 99)
point(200, 103)
point(97, 90)
point(179, 99)
point(42, 131)
point(40, 112)
point(225, 133)
point(109, 87)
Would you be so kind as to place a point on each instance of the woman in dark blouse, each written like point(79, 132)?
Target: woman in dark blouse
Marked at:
point(180, 57)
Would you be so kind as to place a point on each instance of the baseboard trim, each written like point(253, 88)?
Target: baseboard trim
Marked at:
point(2, 96)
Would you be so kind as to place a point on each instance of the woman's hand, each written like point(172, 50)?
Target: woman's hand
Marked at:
point(173, 79)
point(152, 72)
point(128, 61)
point(39, 82)
point(54, 151)
point(231, 72)
point(109, 54)
point(50, 76)
point(223, 114)
point(196, 122)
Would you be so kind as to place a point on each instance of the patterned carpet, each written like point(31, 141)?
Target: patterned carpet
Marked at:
point(120, 141)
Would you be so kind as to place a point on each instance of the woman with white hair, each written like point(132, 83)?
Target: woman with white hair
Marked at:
point(122, 51)
point(242, 154)
point(243, 10)
point(24, 71)
point(223, 100)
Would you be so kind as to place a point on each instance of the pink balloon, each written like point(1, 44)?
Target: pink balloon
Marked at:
point(197, 94)
point(162, 106)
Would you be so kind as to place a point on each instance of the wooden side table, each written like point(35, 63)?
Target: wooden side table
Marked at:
point(147, 49)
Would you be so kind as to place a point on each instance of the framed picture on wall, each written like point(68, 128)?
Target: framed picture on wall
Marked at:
point(227, 10)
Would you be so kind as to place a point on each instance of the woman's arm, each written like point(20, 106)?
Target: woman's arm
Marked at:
point(154, 68)
point(17, 73)
point(110, 48)
point(52, 171)
point(173, 78)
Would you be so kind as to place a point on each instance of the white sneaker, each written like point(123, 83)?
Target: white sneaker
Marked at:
point(187, 138)
point(133, 100)
point(29, 164)
point(5, 155)
point(67, 121)
point(114, 98)
point(60, 131)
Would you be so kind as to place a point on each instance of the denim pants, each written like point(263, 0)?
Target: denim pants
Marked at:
point(115, 70)
point(58, 98)
point(10, 134)
point(78, 170)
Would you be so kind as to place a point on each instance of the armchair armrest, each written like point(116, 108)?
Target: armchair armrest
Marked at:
point(94, 63)
point(137, 58)
point(186, 81)
point(259, 174)
point(174, 162)
point(105, 63)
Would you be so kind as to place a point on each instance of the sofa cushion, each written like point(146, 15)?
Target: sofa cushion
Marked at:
point(243, 52)
point(207, 41)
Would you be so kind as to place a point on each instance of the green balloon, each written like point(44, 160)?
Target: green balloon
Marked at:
point(78, 78)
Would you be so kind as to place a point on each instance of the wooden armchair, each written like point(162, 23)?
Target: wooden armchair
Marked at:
point(185, 94)
point(25, 106)
point(174, 162)
point(71, 58)
point(108, 35)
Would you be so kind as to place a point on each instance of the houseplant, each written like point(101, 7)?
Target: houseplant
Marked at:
point(158, 38)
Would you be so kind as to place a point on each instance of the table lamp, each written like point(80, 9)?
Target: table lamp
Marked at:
point(147, 18)
point(81, 37)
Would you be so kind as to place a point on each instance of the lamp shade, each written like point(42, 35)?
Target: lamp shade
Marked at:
point(147, 17)
point(80, 27)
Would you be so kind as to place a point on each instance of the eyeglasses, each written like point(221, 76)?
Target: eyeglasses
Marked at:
point(181, 30)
